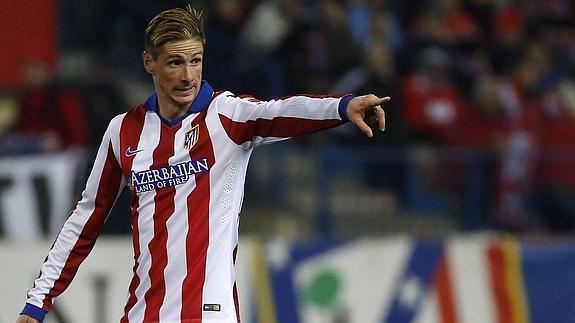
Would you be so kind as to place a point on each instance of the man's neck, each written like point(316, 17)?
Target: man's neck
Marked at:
point(170, 111)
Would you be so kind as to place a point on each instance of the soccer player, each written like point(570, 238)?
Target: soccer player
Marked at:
point(183, 156)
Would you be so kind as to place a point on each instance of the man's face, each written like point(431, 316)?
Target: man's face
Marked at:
point(177, 72)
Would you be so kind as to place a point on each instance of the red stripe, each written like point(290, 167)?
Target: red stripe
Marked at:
point(496, 259)
point(198, 227)
point(130, 131)
point(282, 127)
point(164, 208)
point(236, 298)
point(237, 303)
point(444, 288)
point(136, 244)
point(108, 189)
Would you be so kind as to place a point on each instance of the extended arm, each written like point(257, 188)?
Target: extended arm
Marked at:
point(250, 122)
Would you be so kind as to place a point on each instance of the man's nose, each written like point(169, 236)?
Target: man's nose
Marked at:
point(187, 74)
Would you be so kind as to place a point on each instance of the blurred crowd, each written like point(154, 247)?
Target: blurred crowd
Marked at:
point(495, 76)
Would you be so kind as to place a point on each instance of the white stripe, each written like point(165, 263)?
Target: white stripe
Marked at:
point(242, 110)
point(226, 192)
point(177, 225)
point(114, 130)
point(472, 295)
point(391, 257)
point(149, 139)
point(429, 309)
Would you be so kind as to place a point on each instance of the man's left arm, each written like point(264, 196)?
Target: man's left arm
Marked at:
point(250, 122)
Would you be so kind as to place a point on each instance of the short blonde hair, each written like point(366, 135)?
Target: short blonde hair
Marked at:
point(173, 25)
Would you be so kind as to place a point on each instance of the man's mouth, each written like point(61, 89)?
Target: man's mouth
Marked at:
point(185, 91)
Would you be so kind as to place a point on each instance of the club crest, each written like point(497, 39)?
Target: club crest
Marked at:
point(192, 137)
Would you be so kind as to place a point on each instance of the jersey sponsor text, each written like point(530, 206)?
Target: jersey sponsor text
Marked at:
point(171, 175)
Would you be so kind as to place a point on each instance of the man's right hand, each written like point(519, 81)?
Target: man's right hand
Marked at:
point(26, 319)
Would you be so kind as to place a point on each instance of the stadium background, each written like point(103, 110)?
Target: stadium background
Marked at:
point(462, 211)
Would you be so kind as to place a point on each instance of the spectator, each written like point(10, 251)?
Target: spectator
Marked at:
point(507, 38)
point(265, 30)
point(555, 193)
point(515, 133)
point(374, 20)
point(51, 116)
point(434, 107)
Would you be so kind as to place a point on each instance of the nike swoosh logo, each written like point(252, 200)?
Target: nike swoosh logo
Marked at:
point(132, 153)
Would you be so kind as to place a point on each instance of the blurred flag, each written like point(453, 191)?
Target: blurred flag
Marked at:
point(479, 279)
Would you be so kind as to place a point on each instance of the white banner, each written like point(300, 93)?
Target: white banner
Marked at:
point(37, 193)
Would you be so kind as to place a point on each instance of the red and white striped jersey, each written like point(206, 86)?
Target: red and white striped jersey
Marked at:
point(186, 178)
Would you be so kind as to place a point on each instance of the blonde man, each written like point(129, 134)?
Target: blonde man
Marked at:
point(183, 155)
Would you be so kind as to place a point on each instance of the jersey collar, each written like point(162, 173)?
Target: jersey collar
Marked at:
point(200, 103)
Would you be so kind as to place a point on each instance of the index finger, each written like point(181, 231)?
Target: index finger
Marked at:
point(382, 100)
point(372, 101)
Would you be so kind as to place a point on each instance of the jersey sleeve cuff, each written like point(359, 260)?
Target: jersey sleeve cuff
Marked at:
point(342, 107)
point(34, 311)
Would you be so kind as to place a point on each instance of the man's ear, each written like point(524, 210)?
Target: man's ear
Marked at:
point(148, 62)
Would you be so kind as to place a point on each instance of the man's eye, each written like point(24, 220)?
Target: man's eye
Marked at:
point(174, 63)
point(196, 60)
